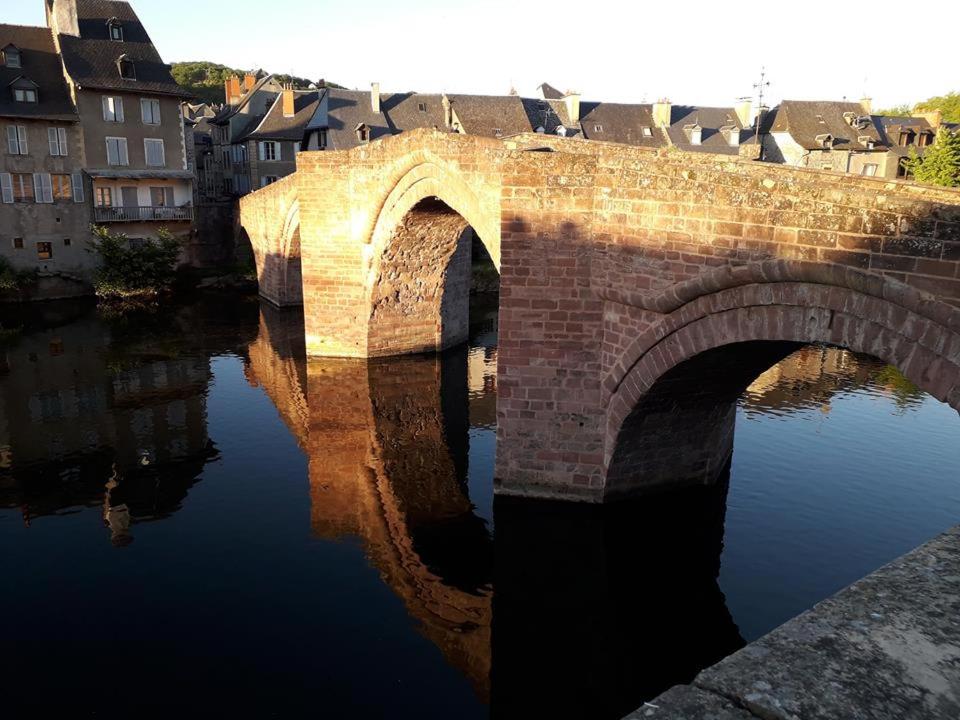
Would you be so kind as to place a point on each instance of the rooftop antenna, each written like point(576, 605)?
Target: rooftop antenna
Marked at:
point(760, 87)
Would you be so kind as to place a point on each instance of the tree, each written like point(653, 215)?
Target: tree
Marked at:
point(206, 79)
point(131, 270)
point(948, 104)
point(940, 164)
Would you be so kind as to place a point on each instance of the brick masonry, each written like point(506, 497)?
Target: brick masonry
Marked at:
point(617, 264)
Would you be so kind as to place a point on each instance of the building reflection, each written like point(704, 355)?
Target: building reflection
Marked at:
point(106, 413)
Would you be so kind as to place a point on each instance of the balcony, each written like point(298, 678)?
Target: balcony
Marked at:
point(142, 214)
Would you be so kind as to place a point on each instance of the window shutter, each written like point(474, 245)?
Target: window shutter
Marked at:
point(77, 187)
point(6, 187)
point(263, 151)
point(124, 157)
point(52, 138)
point(13, 145)
point(46, 188)
point(144, 110)
point(112, 155)
point(277, 147)
point(118, 108)
point(168, 196)
point(22, 136)
point(62, 138)
point(37, 188)
point(106, 108)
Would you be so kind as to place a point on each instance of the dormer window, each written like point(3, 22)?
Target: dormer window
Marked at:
point(821, 120)
point(646, 131)
point(733, 136)
point(24, 90)
point(906, 138)
point(598, 128)
point(422, 107)
point(850, 118)
point(363, 133)
point(825, 141)
point(695, 133)
point(866, 141)
point(11, 57)
point(561, 131)
point(925, 139)
point(128, 70)
point(540, 130)
point(115, 28)
point(498, 132)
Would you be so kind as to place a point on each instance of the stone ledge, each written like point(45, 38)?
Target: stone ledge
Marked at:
point(886, 647)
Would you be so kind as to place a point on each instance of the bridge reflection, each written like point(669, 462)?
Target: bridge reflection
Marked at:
point(612, 604)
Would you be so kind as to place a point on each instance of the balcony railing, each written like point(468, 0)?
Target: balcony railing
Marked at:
point(142, 214)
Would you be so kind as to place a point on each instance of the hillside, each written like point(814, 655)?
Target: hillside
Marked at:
point(205, 79)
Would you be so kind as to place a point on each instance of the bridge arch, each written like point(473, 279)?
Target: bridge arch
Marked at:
point(420, 260)
point(757, 316)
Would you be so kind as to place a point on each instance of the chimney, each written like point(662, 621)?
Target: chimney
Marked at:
point(447, 111)
point(661, 113)
point(572, 101)
point(232, 87)
point(744, 110)
point(867, 105)
point(934, 117)
point(288, 97)
point(375, 97)
point(249, 80)
point(62, 17)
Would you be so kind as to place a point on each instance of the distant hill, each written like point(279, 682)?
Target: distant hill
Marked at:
point(205, 79)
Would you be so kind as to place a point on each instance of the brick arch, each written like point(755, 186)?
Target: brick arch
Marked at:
point(883, 318)
point(420, 260)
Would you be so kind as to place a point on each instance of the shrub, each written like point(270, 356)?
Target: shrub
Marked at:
point(13, 279)
point(127, 270)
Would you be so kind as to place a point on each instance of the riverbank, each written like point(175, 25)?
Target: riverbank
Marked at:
point(886, 647)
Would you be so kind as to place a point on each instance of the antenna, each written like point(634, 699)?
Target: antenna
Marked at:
point(760, 87)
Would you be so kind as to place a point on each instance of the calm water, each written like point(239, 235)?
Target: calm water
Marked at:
point(193, 520)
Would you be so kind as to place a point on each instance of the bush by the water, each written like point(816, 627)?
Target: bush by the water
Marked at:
point(13, 279)
point(134, 269)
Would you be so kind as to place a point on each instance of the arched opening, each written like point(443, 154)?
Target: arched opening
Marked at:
point(424, 279)
point(292, 285)
point(243, 257)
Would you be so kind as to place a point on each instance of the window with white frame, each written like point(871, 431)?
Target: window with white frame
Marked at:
point(43, 188)
point(25, 95)
point(150, 111)
point(269, 150)
point(869, 169)
point(112, 109)
point(6, 188)
point(104, 197)
point(153, 150)
point(17, 139)
point(161, 196)
point(117, 151)
point(116, 30)
point(57, 138)
point(11, 56)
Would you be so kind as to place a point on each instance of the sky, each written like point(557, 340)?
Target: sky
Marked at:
point(691, 52)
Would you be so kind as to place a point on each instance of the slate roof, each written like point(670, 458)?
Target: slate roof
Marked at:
point(549, 92)
point(804, 120)
point(40, 64)
point(715, 123)
point(546, 114)
point(403, 112)
point(620, 123)
point(91, 59)
point(228, 111)
point(276, 126)
point(485, 115)
point(346, 110)
point(889, 127)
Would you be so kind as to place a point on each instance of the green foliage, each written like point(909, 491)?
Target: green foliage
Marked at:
point(134, 270)
point(206, 79)
point(940, 163)
point(12, 279)
point(948, 104)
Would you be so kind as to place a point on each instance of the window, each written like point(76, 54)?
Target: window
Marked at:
point(62, 187)
point(18, 243)
point(6, 187)
point(16, 139)
point(77, 187)
point(43, 188)
point(104, 197)
point(127, 69)
point(161, 196)
point(112, 109)
point(869, 169)
point(153, 150)
point(696, 136)
point(67, 242)
point(269, 151)
point(116, 30)
point(44, 251)
point(150, 111)
point(268, 180)
point(496, 131)
point(363, 133)
point(296, 147)
point(57, 138)
point(598, 128)
point(117, 151)
point(11, 57)
point(25, 95)
point(22, 187)
point(422, 107)
point(647, 132)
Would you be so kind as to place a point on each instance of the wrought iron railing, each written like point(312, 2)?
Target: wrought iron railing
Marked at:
point(142, 214)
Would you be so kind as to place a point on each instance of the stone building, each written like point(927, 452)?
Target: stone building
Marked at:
point(272, 146)
point(44, 214)
point(825, 135)
point(906, 135)
point(129, 107)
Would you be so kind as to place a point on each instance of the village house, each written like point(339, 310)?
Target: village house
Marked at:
point(44, 214)
point(129, 108)
point(272, 146)
point(904, 136)
point(825, 135)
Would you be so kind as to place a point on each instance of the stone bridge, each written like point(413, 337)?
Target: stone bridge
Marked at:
point(628, 278)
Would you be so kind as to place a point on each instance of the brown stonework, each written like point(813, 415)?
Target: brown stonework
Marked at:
point(617, 263)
